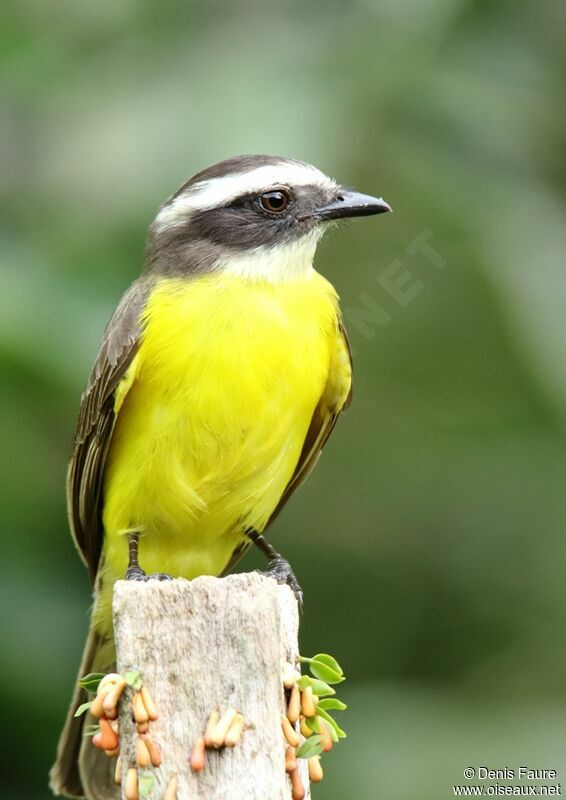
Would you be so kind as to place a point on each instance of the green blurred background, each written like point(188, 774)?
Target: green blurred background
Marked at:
point(430, 540)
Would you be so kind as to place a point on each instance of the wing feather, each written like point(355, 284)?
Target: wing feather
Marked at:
point(96, 422)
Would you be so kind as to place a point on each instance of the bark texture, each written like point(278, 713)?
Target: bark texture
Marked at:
point(210, 643)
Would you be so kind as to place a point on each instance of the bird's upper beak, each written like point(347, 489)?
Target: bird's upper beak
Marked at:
point(352, 204)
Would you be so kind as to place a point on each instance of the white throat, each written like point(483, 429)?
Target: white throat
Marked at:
point(278, 264)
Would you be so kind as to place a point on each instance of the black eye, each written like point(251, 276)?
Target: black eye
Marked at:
point(275, 202)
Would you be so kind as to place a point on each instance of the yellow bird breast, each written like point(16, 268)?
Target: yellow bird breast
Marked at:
point(212, 416)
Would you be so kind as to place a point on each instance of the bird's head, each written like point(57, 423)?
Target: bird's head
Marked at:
point(259, 217)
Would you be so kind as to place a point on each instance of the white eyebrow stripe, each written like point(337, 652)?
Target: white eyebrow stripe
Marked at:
point(220, 191)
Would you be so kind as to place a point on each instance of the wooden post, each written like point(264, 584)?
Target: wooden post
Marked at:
point(210, 643)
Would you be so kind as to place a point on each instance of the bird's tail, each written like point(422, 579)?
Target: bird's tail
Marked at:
point(80, 769)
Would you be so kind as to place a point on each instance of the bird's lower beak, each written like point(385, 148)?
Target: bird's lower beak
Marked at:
point(352, 204)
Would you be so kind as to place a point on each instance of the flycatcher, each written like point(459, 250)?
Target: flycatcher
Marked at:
point(218, 381)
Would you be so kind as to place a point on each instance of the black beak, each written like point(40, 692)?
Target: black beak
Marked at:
point(352, 204)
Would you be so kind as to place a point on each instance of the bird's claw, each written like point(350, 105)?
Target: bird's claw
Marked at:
point(137, 574)
point(280, 569)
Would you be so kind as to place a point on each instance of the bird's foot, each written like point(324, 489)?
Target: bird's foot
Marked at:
point(280, 569)
point(136, 573)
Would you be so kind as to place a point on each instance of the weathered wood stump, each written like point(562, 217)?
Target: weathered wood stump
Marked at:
point(210, 643)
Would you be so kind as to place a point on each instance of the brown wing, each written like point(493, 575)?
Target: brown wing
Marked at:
point(336, 397)
point(96, 423)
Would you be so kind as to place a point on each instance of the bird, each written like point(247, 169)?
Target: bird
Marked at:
point(218, 380)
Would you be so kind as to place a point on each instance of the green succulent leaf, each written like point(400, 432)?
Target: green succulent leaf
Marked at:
point(90, 730)
point(82, 708)
point(146, 785)
point(134, 679)
point(319, 687)
point(331, 703)
point(331, 730)
point(321, 670)
point(331, 721)
point(312, 746)
point(313, 724)
point(90, 682)
point(330, 661)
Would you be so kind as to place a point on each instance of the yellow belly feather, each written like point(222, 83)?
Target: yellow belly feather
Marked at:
point(212, 417)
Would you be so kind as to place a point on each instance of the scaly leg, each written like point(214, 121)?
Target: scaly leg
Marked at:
point(134, 571)
point(277, 566)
